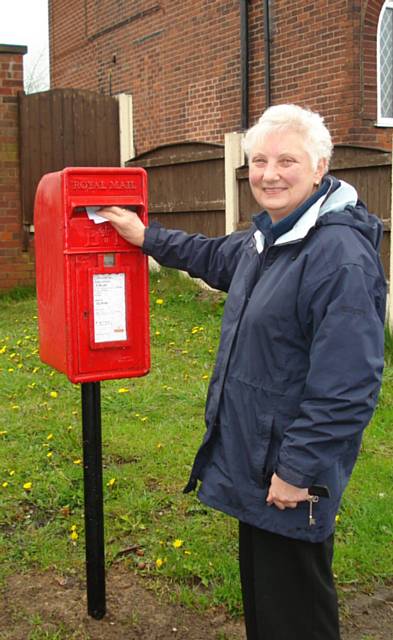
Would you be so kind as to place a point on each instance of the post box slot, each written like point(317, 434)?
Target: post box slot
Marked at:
point(79, 210)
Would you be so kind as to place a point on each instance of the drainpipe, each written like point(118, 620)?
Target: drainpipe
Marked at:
point(267, 38)
point(244, 62)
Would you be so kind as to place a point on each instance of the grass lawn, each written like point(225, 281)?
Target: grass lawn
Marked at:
point(152, 427)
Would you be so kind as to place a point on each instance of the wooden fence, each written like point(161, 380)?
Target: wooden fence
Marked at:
point(64, 128)
point(186, 186)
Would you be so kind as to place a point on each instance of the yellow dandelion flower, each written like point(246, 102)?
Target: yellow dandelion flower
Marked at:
point(49, 436)
point(3, 349)
point(159, 301)
point(10, 370)
point(111, 482)
point(177, 543)
point(73, 527)
point(49, 454)
point(28, 486)
point(158, 333)
point(12, 355)
point(160, 445)
point(159, 563)
point(35, 369)
point(74, 536)
point(4, 485)
point(53, 394)
point(205, 376)
point(77, 461)
point(144, 418)
point(337, 519)
point(15, 407)
point(123, 390)
point(12, 472)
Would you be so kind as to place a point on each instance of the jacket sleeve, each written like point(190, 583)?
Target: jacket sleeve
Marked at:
point(214, 260)
point(343, 317)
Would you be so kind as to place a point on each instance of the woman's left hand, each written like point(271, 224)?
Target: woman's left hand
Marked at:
point(284, 495)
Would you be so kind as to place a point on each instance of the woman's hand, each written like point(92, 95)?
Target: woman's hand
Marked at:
point(127, 224)
point(284, 495)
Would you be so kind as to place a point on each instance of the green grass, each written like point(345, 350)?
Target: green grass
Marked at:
point(152, 427)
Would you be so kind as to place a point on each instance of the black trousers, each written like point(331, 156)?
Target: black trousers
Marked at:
point(287, 587)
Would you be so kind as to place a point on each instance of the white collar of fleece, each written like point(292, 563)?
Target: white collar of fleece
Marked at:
point(337, 201)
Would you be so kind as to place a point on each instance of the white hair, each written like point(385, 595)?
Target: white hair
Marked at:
point(283, 117)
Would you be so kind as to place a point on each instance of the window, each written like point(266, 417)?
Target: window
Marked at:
point(385, 65)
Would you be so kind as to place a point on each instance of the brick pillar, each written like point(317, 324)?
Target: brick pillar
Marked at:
point(16, 259)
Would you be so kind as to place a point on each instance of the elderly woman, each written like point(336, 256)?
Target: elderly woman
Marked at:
point(298, 368)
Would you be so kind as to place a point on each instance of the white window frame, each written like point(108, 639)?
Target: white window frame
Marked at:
point(381, 121)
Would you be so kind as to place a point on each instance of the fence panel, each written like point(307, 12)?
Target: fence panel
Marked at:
point(64, 128)
point(186, 186)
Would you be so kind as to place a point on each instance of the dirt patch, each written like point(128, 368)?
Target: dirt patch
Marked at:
point(52, 603)
point(367, 616)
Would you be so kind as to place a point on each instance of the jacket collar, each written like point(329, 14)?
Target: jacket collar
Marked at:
point(339, 195)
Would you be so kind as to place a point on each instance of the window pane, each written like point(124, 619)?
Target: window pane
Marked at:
point(386, 64)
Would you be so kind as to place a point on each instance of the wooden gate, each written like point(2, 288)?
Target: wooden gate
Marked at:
point(64, 128)
point(186, 186)
point(368, 170)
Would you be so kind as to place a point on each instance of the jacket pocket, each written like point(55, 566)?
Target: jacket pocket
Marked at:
point(260, 447)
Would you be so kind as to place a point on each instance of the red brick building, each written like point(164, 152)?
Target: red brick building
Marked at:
point(185, 62)
point(16, 253)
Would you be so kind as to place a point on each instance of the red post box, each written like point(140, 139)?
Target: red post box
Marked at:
point(92, 286)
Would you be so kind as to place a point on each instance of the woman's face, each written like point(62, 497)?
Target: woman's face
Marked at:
point(280, 173)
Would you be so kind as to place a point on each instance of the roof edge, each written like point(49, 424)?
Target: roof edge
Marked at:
point(13, 49)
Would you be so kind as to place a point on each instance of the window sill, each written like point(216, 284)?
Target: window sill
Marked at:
point(388, 123)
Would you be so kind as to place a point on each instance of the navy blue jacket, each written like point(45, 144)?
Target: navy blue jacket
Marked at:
point(300, 359)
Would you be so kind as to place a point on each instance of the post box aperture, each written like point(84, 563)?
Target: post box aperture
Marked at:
point(92, 285)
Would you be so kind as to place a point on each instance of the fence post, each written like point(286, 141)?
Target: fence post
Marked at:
point(125, 128)
point(234, 158)
point(390, 285)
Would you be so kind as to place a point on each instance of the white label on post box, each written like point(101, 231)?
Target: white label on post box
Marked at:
point(109, 307)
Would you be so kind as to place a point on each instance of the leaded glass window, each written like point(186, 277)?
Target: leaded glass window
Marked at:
point(385, 64)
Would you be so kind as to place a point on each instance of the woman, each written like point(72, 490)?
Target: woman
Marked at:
point(298, 368)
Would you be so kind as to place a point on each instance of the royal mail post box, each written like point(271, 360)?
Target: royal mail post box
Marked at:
point(92, 286)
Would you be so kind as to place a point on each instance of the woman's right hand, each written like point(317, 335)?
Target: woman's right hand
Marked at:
point(127, 224)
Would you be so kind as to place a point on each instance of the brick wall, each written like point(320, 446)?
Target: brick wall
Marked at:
point(181, 63)
point(16, 263)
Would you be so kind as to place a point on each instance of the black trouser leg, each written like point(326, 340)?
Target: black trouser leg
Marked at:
point(287, 587)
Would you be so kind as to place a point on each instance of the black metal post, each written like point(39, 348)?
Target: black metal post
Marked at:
point(267, 40)
point(244, 60)
point(94, 511)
